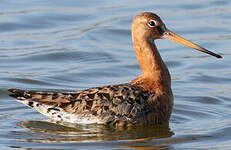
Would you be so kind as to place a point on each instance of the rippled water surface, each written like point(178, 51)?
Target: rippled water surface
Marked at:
point(71, 45)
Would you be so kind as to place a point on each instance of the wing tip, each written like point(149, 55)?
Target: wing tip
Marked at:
point(17, 93)
point(12, 90)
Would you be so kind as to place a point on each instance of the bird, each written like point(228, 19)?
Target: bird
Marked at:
point(145, 100)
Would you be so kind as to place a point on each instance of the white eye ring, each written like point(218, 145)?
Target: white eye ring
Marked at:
point(152, 23)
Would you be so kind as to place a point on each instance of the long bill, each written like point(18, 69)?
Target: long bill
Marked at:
point(178, 39)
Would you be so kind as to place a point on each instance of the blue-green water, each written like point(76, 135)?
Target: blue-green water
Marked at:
point(71, 45)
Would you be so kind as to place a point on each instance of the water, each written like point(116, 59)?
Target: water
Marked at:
point(71, 45)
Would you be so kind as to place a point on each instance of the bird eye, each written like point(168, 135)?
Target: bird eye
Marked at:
point(152, 23)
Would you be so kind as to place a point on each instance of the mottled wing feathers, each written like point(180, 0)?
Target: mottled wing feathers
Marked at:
point(111, 104)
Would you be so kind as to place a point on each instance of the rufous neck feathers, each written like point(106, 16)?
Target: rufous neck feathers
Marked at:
point(155, 75)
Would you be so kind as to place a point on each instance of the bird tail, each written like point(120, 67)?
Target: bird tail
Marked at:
point(47, 103)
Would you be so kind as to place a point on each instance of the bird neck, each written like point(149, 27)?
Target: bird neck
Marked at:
point(155, 75)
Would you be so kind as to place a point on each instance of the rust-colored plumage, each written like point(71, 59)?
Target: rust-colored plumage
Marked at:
point(146, 100)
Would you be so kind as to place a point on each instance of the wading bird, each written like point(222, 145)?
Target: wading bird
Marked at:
point(146, 100)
